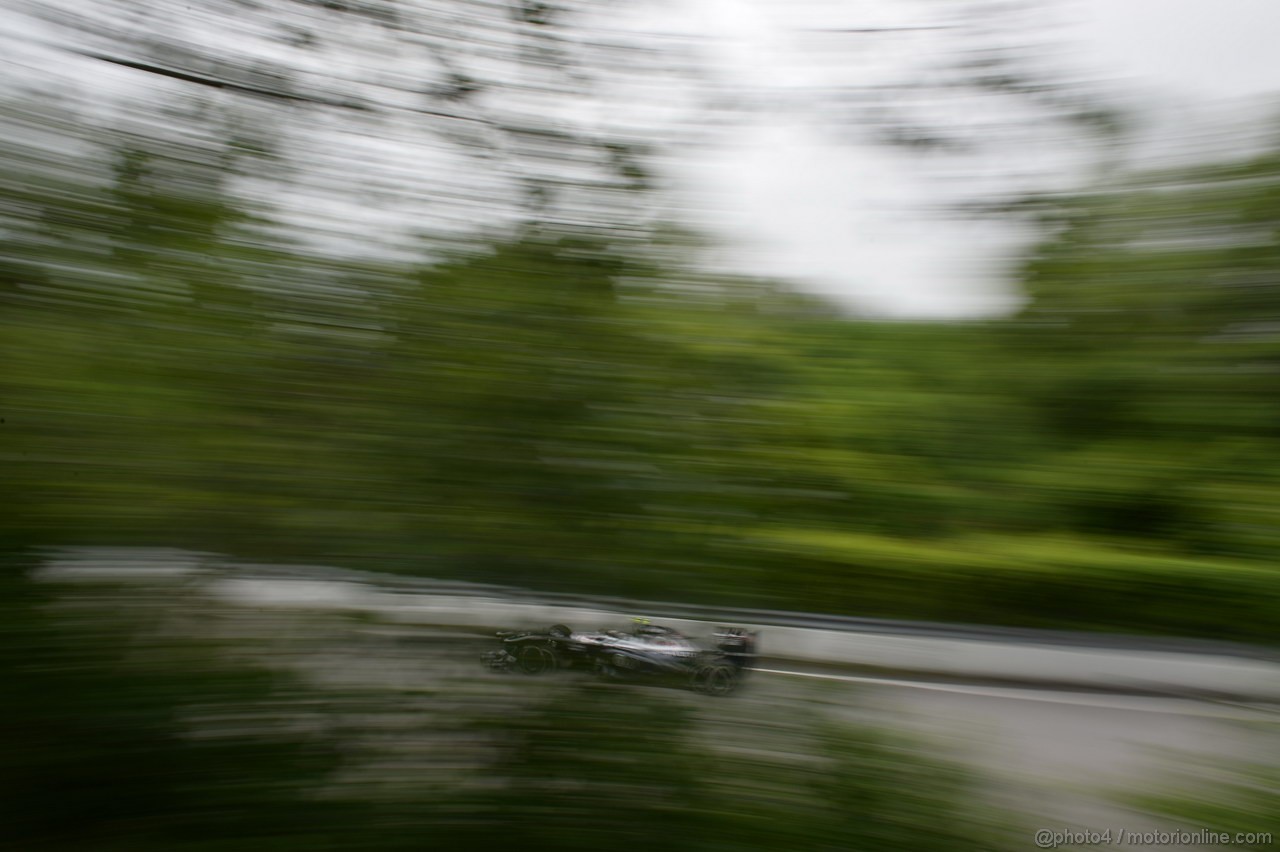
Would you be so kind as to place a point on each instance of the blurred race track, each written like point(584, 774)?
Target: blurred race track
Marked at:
point(1063, 754)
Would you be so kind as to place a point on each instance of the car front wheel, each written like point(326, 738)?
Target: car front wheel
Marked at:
point(535, 660)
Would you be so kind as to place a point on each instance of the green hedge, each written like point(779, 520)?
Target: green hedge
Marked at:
point(1038, 581)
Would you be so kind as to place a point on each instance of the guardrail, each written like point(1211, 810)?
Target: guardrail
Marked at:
point(767, 617)
point(1107, 661)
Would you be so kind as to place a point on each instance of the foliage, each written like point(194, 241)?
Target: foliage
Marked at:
point(566, 410)
point(634, 768)
point(1228, 797)
point(119, 738)
point(122, 731)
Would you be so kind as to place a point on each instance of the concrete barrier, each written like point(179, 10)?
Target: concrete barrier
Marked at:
point(989, 659)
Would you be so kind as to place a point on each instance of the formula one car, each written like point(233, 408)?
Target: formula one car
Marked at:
point(648, 652)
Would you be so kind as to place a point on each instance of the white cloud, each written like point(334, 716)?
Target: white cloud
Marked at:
point(862, 224)
point(1192, 48)
point(793, 187)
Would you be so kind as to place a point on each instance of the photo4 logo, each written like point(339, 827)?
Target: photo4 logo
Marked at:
point(1051, 839)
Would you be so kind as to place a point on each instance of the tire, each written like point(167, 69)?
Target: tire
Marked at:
point(716, 679)
point(535, 660)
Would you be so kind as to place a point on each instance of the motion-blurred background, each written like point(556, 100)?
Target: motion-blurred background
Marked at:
point(956, 312)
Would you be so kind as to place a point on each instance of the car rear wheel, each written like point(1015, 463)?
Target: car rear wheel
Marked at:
point(717, 679)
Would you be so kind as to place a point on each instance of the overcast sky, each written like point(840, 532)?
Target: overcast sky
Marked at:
point(795, 185)
point(859, 222)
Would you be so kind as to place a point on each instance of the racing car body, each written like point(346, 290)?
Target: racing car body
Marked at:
point(647, 652)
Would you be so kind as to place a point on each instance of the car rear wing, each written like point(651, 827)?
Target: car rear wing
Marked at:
point(739, 644)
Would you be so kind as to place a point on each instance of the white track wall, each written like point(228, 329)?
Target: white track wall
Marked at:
point(968, 659)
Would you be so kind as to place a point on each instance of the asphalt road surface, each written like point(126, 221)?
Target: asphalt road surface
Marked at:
point(1062, 759)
